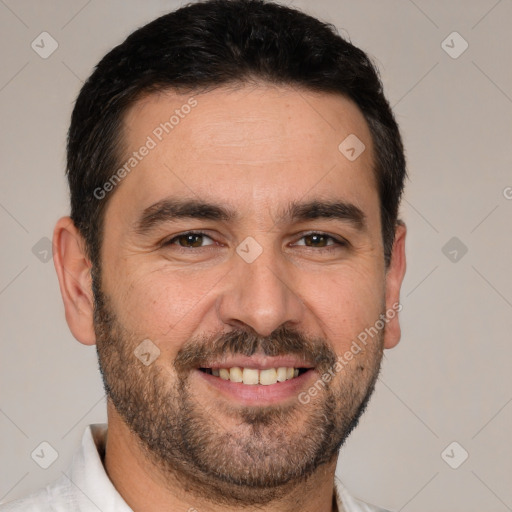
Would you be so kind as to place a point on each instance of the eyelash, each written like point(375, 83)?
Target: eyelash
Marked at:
point(336, 245)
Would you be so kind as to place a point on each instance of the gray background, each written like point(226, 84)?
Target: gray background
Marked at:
point(448, 380)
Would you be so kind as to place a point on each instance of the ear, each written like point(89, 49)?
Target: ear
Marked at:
point(394, 277)
point(74, 273)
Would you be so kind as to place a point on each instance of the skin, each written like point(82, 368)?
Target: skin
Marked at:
point(255, 149)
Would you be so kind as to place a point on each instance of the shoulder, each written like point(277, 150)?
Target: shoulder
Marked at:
point(37, 501)
point(54, 497)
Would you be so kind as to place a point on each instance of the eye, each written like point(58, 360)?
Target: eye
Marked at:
point(196, 240)
point(189, 240)
point(321, 240)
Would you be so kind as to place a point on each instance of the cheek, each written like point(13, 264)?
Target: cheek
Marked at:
point(346, 302)
point(162, 303)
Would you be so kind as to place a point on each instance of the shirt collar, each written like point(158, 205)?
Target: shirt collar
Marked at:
point(88, 480)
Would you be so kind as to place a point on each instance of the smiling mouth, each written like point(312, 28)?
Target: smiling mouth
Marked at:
point(254, 376)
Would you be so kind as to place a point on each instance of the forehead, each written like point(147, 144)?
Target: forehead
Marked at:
point(247, 147)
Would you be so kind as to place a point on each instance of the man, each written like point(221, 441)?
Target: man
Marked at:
point(234, 252)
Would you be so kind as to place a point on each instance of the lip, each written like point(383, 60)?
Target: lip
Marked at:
point(259, 362)
point(257, 394)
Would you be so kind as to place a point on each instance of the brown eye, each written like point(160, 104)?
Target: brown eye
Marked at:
point(190, 240)
point(316, 240)
point(321, 240)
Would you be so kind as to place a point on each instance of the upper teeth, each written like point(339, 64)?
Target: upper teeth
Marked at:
point(255, 376)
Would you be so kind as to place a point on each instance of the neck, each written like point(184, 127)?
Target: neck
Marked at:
point(146, 488)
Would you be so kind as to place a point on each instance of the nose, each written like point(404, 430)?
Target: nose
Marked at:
point(260, 295)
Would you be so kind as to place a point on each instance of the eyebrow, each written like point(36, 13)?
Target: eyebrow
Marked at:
point(171, 209)
point(316, 209)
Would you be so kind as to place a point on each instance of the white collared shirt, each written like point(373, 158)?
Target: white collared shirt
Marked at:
point(86, 487)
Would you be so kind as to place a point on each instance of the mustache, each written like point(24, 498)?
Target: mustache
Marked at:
point(283, 341)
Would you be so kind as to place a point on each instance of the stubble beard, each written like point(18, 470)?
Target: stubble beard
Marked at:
point(270, 451)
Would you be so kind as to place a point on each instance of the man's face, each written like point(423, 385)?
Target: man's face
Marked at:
point(259, 288)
